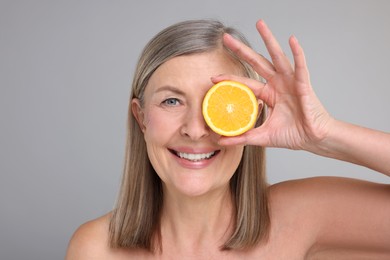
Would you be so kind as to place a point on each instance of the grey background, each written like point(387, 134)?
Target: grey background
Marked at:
point(66, 68)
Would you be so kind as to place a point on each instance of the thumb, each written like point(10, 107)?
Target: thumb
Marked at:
point(256, 136)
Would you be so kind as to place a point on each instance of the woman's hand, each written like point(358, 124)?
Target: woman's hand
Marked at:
point(296, 119)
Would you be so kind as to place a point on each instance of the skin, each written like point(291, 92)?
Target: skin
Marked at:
point(315, 218)
point(171, 120)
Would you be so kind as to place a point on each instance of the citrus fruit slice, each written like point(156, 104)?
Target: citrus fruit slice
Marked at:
point(230, 108)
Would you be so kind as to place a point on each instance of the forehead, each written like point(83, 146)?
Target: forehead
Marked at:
point(194, 68)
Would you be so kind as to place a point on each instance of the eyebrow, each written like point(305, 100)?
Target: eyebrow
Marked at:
point(171, 89)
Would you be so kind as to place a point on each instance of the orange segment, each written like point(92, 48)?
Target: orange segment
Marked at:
point(230, 108)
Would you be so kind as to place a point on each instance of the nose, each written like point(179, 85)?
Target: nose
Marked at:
point(194, 125)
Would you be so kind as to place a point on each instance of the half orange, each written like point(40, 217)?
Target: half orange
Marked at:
point(230, 108)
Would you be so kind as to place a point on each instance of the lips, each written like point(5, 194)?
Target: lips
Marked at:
point(194, 157)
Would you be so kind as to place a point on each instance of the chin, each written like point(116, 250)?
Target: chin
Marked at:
point(196, 188)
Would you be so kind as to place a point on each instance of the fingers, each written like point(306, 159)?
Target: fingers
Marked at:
point(280, 62)
point(233, 140)
point(279, 59)
point(257, 136)
point(301, 71)
point(260, 64)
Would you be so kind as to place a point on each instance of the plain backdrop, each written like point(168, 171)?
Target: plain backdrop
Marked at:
point(66, 68)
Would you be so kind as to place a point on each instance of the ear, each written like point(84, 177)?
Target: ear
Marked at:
point(138, 113)
point(260, 109)
point(261, 106)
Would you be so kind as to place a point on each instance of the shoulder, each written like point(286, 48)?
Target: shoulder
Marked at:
point(323, 193)
point(334, 211)
point(90, 240)
point(316, 187)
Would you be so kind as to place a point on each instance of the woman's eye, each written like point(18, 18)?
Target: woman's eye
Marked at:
point(171, 102)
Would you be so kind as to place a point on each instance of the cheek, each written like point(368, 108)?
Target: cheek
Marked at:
point(231, 160)
point(236, 156)
point(160, 125)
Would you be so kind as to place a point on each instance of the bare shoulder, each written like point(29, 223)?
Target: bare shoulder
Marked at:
point(333, 187)
point(90, 240)
point(325, 193)
point(335, 213)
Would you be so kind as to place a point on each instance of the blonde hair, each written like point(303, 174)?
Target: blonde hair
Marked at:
point(135, 222)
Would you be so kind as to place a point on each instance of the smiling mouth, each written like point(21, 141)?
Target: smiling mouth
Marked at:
point(194, 157)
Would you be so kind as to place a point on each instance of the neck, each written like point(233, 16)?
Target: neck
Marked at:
point(195, 222)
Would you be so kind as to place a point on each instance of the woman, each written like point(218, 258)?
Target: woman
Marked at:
point(188, 193)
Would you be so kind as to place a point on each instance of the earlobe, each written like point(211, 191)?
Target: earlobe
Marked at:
point(138, 113)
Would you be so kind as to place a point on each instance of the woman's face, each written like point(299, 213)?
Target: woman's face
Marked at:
point(182, 149)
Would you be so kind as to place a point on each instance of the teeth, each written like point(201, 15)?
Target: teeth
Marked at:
point(195, 156)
